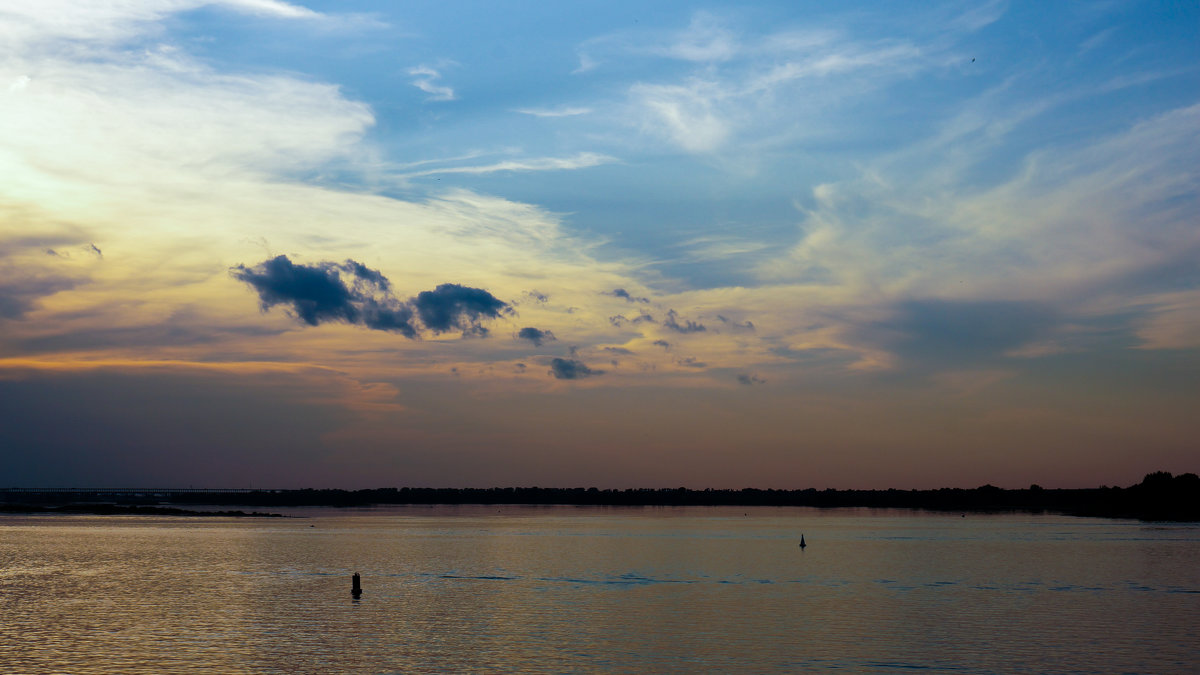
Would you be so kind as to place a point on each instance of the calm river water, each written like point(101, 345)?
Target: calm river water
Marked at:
point(570, 589)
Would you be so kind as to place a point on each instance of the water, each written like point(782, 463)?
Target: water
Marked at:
point(569, 589)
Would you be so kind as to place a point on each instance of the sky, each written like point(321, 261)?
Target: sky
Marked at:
point(256, 243)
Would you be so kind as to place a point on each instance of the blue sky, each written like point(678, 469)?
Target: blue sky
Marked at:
point(863, 244)
point(692, 125)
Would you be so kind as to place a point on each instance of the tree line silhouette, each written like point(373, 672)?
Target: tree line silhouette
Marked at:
point(1160, 496)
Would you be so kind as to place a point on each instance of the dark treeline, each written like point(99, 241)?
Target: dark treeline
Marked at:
point(1160, 496)
point(125, 510)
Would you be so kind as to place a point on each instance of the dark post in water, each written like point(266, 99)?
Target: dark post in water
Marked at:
point(356, 587)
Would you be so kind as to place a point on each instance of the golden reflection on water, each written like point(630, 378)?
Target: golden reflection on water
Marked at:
point(601, 590)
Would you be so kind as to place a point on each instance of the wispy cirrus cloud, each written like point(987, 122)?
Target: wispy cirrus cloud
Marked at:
point(744, 87)
point(273, 8)
point(1066, 244)
point(708, 38)
point(96, 26)
point(745, 99)
point(568, 111)
point(1171, 321)
point(427, 79)
point(165, 114)
point(719, 247)
point(582, 160)
point(696, 116)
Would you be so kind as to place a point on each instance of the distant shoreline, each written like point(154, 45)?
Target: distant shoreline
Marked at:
point(86, 509)
point(1159, 497)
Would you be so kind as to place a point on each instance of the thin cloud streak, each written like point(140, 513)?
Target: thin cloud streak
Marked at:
point(554, 112)
point(583, 160)
point(741, 85)
point(425, 79)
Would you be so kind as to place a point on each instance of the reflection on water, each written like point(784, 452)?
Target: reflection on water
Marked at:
point(569, 589)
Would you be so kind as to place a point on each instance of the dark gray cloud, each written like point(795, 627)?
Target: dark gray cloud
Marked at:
point(570, 369)
point(620, 320)
point(25, 280)
point(662, 343)
point(534, 335)
point(622, 293)
point(350, 292)
point(691, 362)
point(14, 243)
point(537, 296)
point(22, 285)
point(954, 333)
point(90, 249)
point(687, 326)
point(745, 325)
point(315, 293)
point(618, 350)
point(364, 275)
point(750, 379)
point(388, 314)
point(451, 306)
point(19, 296)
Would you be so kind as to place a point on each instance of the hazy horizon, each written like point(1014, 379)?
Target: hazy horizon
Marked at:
point(666, 486)
point(610, 244)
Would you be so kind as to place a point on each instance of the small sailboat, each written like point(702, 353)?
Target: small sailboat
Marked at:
point(802, 544)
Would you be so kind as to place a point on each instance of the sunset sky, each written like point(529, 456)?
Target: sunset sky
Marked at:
point(614, 244)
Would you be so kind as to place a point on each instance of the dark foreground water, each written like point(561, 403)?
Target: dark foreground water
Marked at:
point(569, 589)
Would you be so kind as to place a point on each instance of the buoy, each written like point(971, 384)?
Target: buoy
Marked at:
point(356, 585)
point(802, 544)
